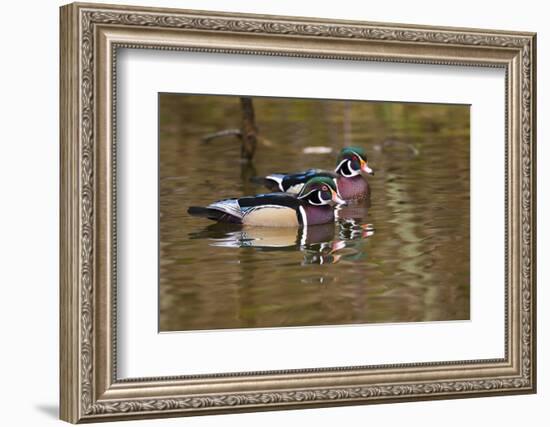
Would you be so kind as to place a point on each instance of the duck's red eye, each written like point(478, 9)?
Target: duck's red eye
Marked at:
point(355, 158)
point(324, 188)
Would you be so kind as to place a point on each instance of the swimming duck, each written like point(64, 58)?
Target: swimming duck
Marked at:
point(349, 176)
point(313, 205)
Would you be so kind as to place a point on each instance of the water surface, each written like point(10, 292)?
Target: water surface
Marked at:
point(402, 257)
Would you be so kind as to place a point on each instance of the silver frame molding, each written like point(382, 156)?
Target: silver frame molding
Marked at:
point(90, 37)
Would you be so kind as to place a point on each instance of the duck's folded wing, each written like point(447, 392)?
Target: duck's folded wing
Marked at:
point(228, 206)
point(294, 183)
point(227, 210)
point(291, 182)
point(279, 199)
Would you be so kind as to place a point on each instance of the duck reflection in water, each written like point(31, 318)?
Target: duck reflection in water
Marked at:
point(320, 244)
point(351, 220)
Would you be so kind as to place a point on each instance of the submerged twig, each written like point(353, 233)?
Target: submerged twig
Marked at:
point(221, 134)
point(394, 146)
point(247, 134)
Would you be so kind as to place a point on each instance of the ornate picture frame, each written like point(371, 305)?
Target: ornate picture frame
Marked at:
point(90, 37)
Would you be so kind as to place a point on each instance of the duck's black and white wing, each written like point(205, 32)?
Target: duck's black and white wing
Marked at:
point(293, 183)
point(227, 210)
point(271, 210)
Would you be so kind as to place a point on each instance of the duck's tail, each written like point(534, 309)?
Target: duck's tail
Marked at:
point(214, 214)
point(198, 211)
point(271, 182)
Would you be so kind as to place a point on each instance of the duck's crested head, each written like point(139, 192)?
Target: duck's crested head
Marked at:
point(319, 191)
point(352, 161)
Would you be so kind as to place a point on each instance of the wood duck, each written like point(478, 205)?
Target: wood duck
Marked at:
point(313, 205)
point(350, 176)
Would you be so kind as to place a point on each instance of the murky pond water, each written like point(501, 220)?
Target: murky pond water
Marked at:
point(402, 257)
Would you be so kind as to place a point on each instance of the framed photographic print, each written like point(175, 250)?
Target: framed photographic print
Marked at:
point(265, 212)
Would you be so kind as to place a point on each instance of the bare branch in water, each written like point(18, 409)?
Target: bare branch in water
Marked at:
point(249, 130)
point(247, 134)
